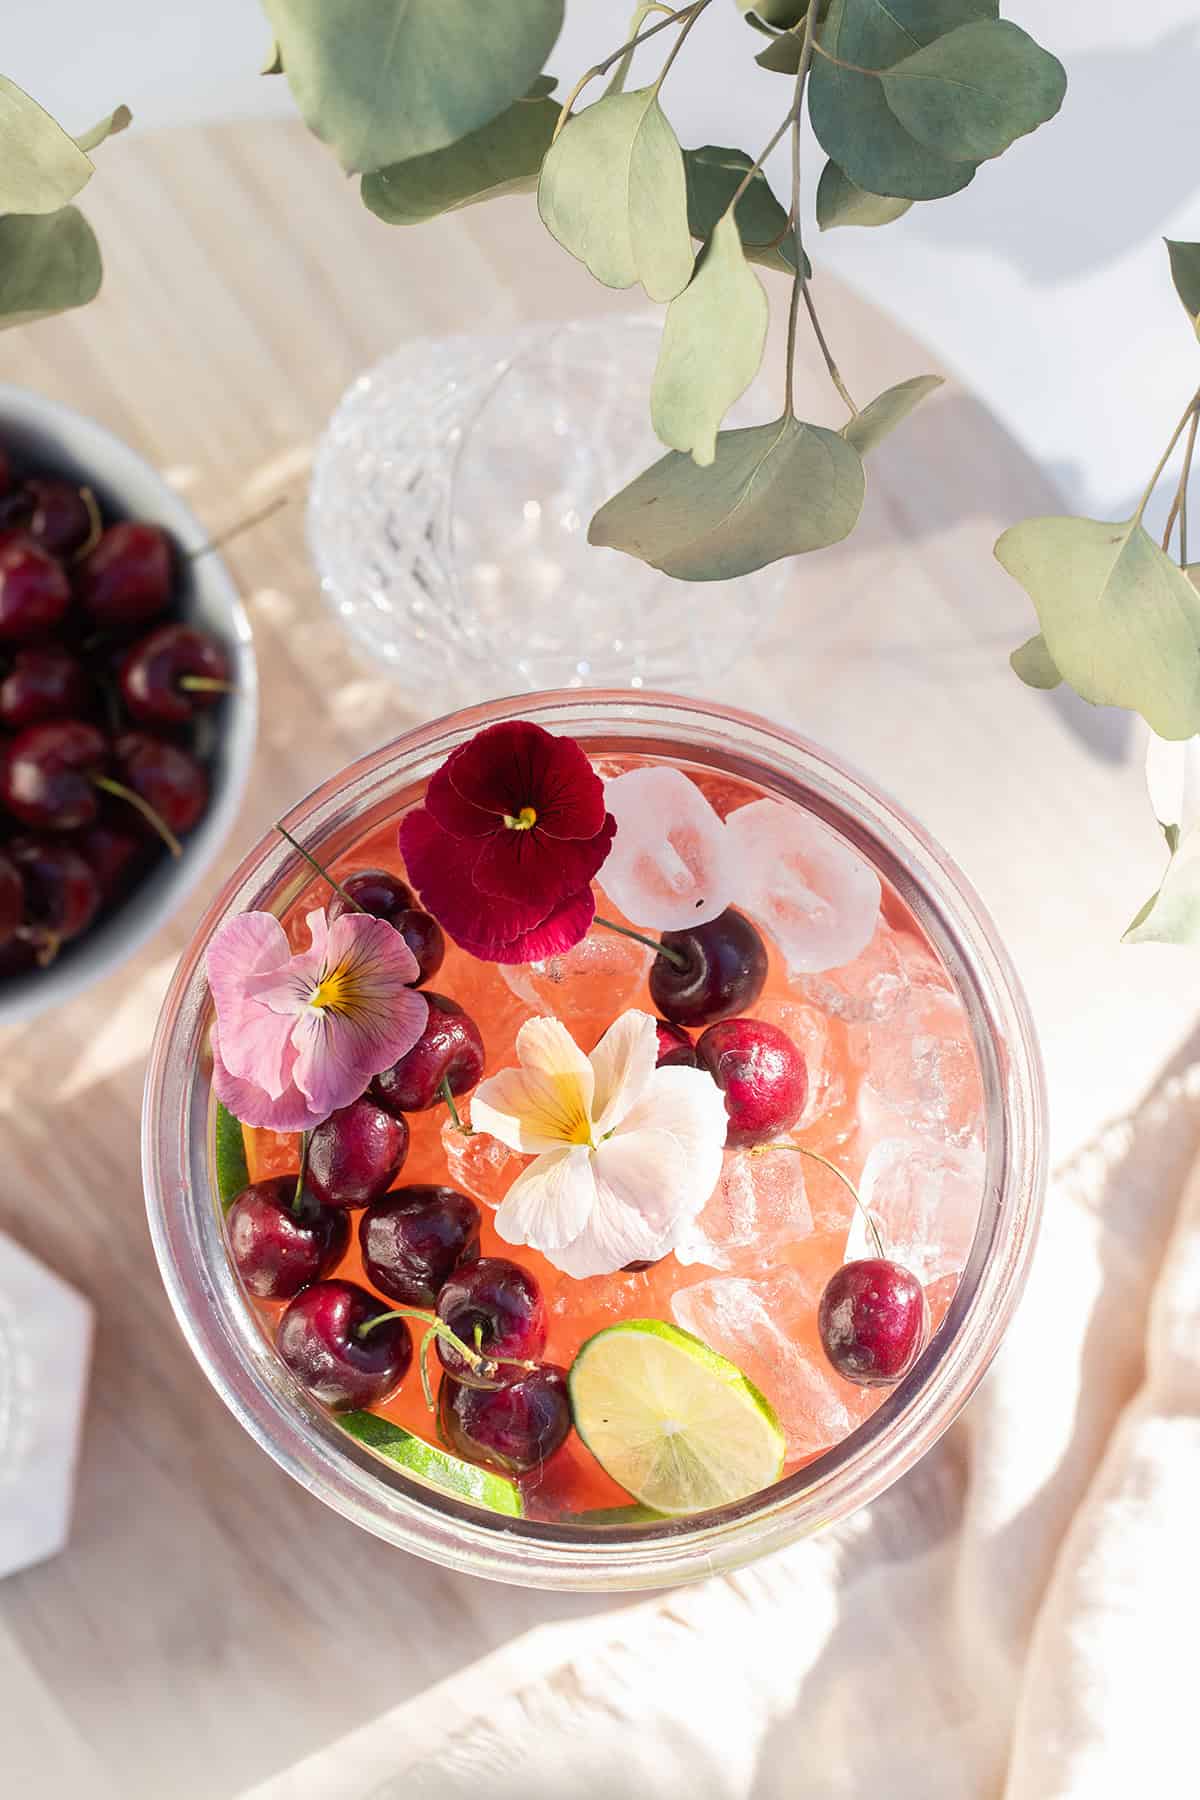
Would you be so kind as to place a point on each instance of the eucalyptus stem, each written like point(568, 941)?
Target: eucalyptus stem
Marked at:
point(640, 15)
point(298, 847)
point(1179, 503)
point(680, 41)
point(834, 372)
point(640, 937)
point(1165, 458)
point(602, 68)
point(803, 1150)
point(854, 68)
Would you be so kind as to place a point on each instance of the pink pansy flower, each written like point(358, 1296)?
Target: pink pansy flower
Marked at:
point(625, 1153)
point(504, 850)
point(298, 1036)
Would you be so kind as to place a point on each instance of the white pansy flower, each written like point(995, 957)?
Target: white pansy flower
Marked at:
point(626, 1154)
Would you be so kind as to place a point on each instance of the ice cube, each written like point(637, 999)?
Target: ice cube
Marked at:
point(766, 1327)
point(873, 986)
point(817, 897)
point(757, 1209)
point(926, 1198)
point(921, 1063)
point(588, 985)
point(479, 1164)
point(670, 861)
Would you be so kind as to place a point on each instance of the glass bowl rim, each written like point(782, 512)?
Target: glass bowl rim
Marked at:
point(306, 1442)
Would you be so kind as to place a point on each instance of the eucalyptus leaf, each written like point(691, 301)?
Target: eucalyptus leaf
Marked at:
point(782, 54)
point(772, 491)
point(41, 165)
point(117, 120)
point(1173, 784)
point(712, 346)
point(613, 192)
point(868, 427)
point(49, 262)
point(503, 157)
point(273, 64)
point(1033, 663)
point(972, 93)
point(777, 15)
point(1121, 621)
point(714, 175)
point(841, 201)
point(1172, 915)
point(1185, 273)
point(383, 80)
point(849, 111)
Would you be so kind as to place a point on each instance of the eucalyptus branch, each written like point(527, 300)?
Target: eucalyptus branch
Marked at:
point(680, 41)
point(1179, 503)
point(834, 372)
point(1165, 458)
point(602, 68)
point(854, 68)
point(640, 15)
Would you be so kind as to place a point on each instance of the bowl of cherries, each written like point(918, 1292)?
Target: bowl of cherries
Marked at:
point(127, 702)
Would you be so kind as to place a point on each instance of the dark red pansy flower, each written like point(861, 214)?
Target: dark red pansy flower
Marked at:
point(505, 848)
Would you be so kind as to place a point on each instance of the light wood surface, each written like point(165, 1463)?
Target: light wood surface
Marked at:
point(211, 1622)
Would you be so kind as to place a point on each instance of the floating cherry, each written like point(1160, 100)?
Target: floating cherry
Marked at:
point(513, 1428)
point(385, 896)
point(278, 1248)
point(873, 1320)
point(414, 1238)
point(675, 1047)
point(354, 1157)
point(762, 1075)
point(495, 1307)
point(450, 1049)
point(322, 1337)
point(722, 971)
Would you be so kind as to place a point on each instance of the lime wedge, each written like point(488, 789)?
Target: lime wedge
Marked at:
point(232, 1171)
point(680, 1428)
point(412, 1454)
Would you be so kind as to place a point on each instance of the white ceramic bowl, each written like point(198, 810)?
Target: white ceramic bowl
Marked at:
point(55, 439)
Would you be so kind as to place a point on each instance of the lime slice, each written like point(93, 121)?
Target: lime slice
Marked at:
point(679, 1427)
point(412, 1454)
point(233, 1173)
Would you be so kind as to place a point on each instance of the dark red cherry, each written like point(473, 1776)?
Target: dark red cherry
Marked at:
point(762, 1075)
point(414, 1238)
point(44, 682)
point(354, 1157)
point(34, 590)
point(61, 893)
point(12, 898)
point(172, 674)
point(385, 896)
point(125, 578)
point(513, 1428)
point(873, 1320)
point(675, 1048)
point(321, 1338)
point(48, 774)
point(723, 971)
point(171, 781)
point(449, 1049)
point(19, 955)
point(278, 1247)
point(115, 846)
point(60, 519)
point(5, 470)
point(495, 1307)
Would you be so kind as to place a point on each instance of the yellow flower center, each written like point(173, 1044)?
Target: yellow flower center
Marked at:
point(337, 990)
point(525, 820)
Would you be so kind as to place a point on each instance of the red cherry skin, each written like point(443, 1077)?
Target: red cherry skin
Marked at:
point(125, 578)
point(34, 590)
point(167, 777)
point(44, 682)
point(153, 673)
point(873, 1320)
point(47, 774)
point(762, 1075)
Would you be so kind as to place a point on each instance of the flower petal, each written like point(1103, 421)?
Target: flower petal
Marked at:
point(442, 868)
point(372, 1017)
point(290, 1110)
point(689, 1105)
point(623, 1062)
point(526, 865)
point(454, 814)
point(516, 763)
point(560, 930)
point(256, 1041)
point(550, 1202)
point(547, 1102)
point(636, 1175)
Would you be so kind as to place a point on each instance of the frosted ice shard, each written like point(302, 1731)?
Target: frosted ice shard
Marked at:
point(670, 862)
point(818, 898)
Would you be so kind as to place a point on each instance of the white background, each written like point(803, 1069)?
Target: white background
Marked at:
point(1044, 284)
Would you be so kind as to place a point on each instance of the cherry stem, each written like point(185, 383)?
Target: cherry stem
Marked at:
point(640, 937)
point(153, 818)
point(803, 1150)
point(234, 531)
point(205, 684)
point(448, 1097)
point(298, 847)
point(299, 1193)
point(95, 524)
point(435, 1327)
